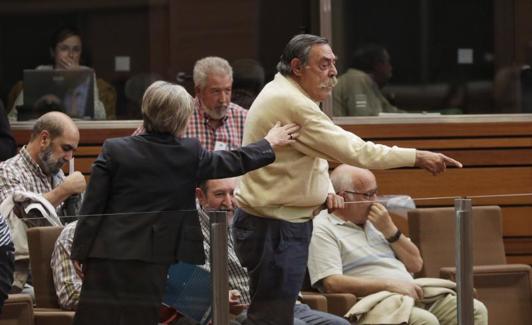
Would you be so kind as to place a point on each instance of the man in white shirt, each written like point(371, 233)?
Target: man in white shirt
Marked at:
point(358, 249)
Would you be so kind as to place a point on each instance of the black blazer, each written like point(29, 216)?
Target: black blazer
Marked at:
point(140, 201)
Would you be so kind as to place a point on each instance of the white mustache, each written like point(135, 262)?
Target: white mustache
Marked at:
point(330, 83)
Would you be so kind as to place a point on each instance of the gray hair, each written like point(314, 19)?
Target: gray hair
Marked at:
point(166, 108)
point(341, 181)
point(298, 47)
point(210, 65)
point(347, 178)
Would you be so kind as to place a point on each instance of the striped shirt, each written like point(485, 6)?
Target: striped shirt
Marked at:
point(22, 173)
point(229, 134)
point(5, 236)
point(238, 275)
point(67, 283)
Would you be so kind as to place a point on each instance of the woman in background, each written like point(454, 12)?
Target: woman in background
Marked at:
point(65, 50)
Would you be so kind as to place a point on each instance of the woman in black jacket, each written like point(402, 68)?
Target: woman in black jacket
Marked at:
point(139, 215)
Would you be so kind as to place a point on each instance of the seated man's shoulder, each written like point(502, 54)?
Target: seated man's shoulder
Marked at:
point(10, 162)
point(322, 222)
point(69, 229)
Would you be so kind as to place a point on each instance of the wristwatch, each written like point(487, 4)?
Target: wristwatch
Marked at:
point(395, 237)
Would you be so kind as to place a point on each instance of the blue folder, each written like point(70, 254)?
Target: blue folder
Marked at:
point(188, 290)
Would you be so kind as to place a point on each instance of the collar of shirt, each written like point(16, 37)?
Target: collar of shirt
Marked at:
point(336, 220)
point(294, 84)
point(204, 117)
point(31, 164)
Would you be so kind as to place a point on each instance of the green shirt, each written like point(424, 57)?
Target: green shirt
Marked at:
point(356, 94)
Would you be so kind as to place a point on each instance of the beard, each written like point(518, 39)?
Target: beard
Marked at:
point(49, 165)
point(216, 113)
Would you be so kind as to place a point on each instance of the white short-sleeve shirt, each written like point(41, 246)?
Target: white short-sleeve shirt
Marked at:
point(339, 247)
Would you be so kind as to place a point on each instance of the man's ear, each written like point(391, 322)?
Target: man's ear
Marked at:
point(296, 67)
point(200, 196)
point(197, 91)
point(44, 138)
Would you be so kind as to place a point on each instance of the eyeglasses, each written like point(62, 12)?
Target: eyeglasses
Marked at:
point(367, 195)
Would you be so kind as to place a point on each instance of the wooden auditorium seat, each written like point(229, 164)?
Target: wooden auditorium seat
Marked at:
point(337, 303)
point(18, 310)
point(41, 241)
point(505, 289)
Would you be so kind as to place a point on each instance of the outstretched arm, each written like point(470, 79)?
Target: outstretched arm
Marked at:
point(434, 162)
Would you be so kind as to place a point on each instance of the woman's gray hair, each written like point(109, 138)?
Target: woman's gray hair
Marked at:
point(166, 108)
point(298, 47)
point(210, 65)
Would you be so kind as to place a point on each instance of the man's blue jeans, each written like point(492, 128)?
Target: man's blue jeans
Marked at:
point(275, 253)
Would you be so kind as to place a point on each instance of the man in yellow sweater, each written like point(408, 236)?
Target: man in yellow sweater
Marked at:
point(273, 226)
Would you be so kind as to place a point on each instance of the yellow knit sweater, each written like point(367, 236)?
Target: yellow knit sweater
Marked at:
point(298, 181)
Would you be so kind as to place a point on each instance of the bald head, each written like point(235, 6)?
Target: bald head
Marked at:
point(54, 139)
point(350, 178)
point(358, 187)
point(55, 123)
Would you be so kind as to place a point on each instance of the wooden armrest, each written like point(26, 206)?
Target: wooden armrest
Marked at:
point(53, 316)
point(315, 300)
point(340, 303)
point(450, 272)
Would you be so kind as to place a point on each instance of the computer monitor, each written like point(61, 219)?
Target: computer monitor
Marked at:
point(69, 91)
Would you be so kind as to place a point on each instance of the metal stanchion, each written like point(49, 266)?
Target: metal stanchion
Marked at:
point(464, 260)
point(220, 286)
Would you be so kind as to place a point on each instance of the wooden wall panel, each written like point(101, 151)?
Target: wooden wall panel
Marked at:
point(228, 29)
point(469, 143)
point(452, 128)
point(459, 182)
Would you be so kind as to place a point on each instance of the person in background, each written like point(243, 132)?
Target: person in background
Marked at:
point(358, 92)
point(37, 166)
point(512, 85)
point(248, 81)
point(65, 51)
point(36, 171)
point(216, 122)
point(8, 146)
point(358, 249)
point(273, 224)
